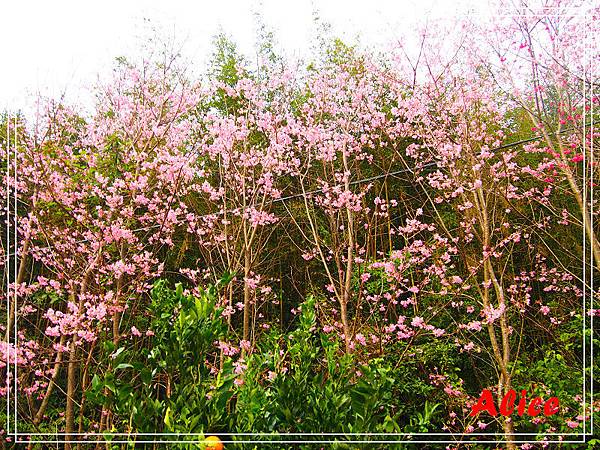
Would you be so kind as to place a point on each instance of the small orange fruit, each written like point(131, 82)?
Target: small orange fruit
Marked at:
point(213, 443)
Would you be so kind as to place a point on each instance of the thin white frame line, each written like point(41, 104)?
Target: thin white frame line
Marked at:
point(588, 250)
point(584, 263)
point(582, 441)
point(15, 234)
point(585, 202)
point(591, 195)
point(593, 296)
point(416, 433)
point(7, 262)
point(584, 242)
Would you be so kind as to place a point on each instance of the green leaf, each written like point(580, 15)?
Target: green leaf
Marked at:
point(118, 352)
point(168, 419)
point(96, 383)
point(123, 366)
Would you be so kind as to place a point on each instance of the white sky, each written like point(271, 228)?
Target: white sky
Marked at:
point(63, 45)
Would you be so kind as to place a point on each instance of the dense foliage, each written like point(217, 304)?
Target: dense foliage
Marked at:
point(358, 245)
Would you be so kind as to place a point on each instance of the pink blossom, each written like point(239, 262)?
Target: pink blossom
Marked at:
point(417, 322)
point(135, 332)
point(360, 339)
point(572, 423)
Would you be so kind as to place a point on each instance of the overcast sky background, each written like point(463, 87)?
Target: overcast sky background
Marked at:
point(60, 46)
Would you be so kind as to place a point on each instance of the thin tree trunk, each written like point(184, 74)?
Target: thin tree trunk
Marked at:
point(116, 319)
point(19, 280)
point(84, 384)
point(72, 368)
point(502, 354)
point(57, 363)
point(71, 382)
point(347, 294)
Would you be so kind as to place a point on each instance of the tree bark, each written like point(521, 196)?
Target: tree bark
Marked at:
point(72, 367)
point(347, 294)
point(19, 280)
point(57, 363)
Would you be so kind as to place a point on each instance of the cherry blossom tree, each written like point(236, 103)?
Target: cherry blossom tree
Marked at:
point(106, 197)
